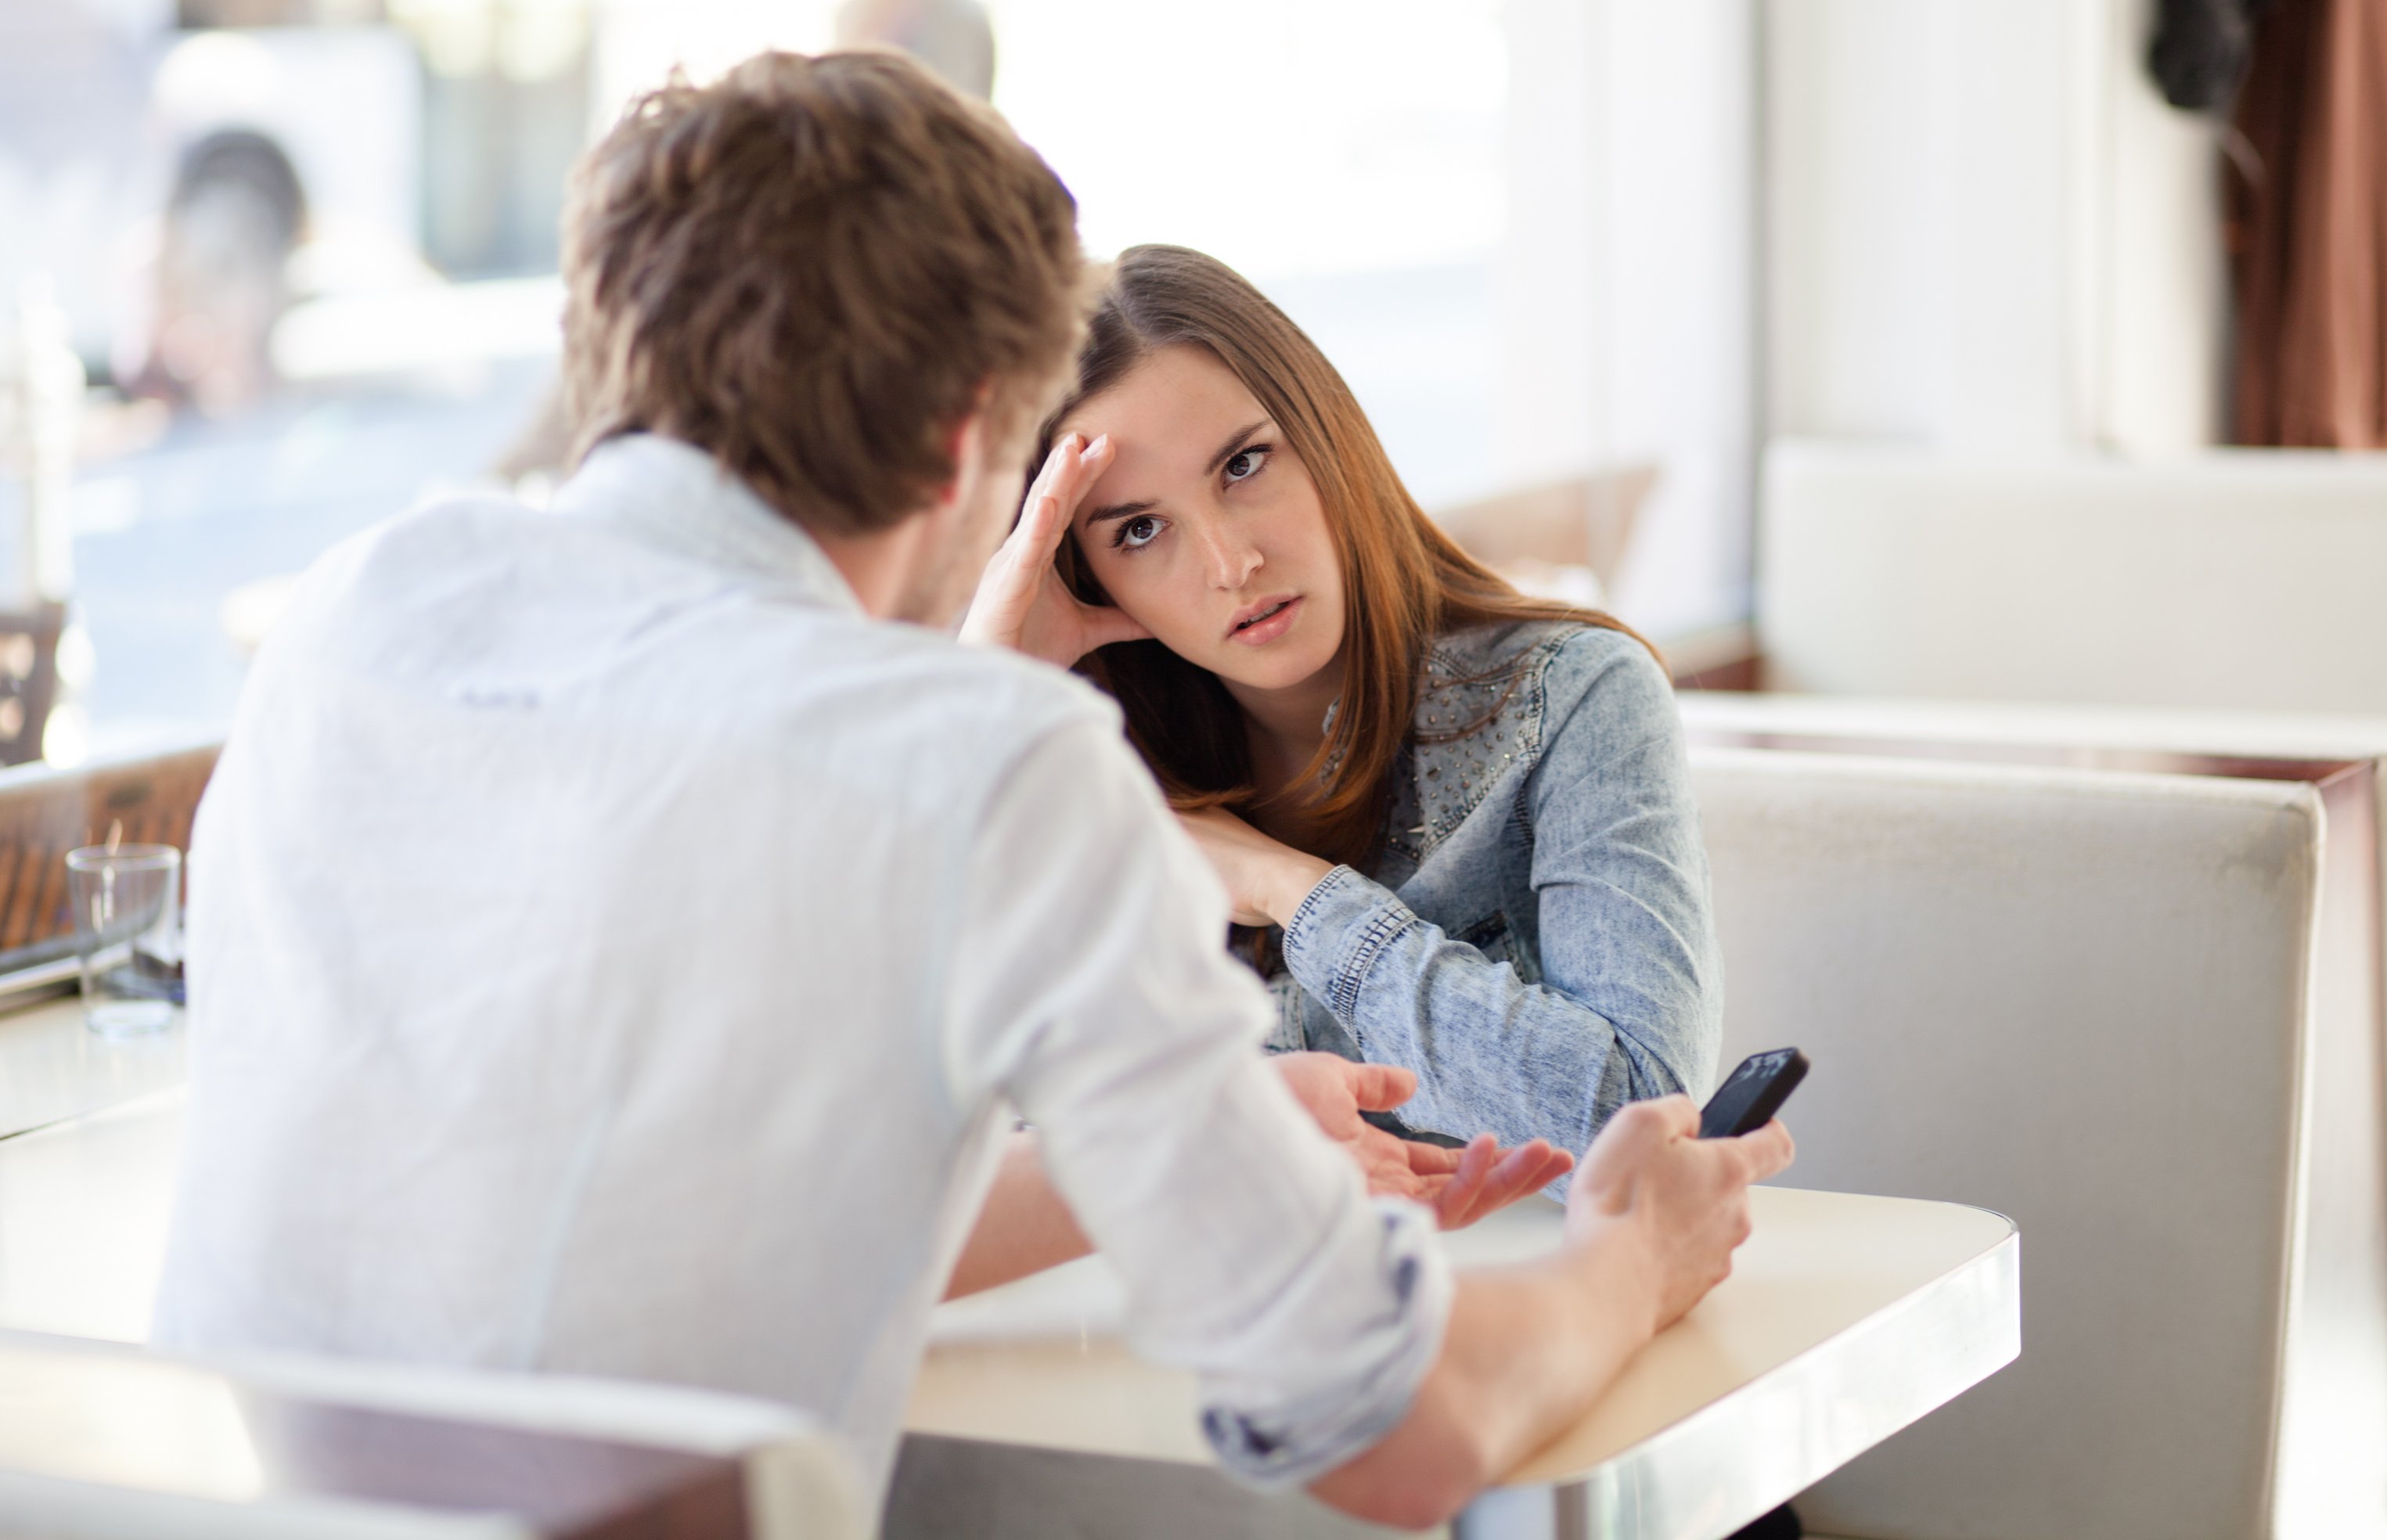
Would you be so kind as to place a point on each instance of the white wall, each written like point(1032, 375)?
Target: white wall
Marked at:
point(1984, 228)
point(2238, 579)
point(1627, 279)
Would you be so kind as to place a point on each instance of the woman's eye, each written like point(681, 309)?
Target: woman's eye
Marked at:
point(1142, 530)
point(1244, 464)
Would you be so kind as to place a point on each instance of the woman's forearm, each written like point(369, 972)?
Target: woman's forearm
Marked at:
point(1024, 1227)
point(1413, 996)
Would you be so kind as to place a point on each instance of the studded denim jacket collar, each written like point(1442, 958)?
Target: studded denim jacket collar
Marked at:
point(1479, 715)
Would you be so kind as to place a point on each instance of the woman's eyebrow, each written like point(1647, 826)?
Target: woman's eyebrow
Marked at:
point(1242, 437)
point(1119, 511)
point(1227, 451)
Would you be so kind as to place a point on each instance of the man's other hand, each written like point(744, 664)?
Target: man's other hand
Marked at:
point(1685, 1199)
point(1460, 1186)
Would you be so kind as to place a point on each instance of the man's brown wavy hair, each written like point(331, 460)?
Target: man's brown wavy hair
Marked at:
point(1405, 583)
point(816, 269)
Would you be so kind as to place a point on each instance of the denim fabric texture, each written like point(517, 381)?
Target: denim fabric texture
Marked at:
point(1535, 939)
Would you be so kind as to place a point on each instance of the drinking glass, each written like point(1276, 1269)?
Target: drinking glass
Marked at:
point(128, 935)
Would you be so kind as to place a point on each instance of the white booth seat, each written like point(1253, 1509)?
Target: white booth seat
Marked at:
point(104, 1441)
point(2249, 578)
point(2138, 1011)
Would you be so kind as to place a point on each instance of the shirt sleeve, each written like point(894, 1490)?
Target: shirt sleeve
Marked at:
point(1629, 1004)
point(1092, 989)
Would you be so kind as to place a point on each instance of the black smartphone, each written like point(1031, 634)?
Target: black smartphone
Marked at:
point(1753, 1094)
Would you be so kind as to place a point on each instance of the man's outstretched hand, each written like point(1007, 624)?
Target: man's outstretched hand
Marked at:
point(1460, 1186)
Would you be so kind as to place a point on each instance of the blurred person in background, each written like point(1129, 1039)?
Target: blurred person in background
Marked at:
point(954, 38)
point(1456, 821)
point(621, 936)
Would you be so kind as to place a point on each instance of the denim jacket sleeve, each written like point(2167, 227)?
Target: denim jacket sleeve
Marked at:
point(1629, 1004)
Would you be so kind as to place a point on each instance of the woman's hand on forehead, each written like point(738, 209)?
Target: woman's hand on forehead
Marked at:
point(1022, 602)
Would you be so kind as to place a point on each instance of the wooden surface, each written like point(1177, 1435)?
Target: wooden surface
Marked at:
point(45, 813)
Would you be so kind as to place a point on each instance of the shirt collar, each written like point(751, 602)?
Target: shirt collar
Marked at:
point(676, 495)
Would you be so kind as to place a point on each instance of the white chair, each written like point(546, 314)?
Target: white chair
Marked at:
point(2139, 1014)
point(106, 1441)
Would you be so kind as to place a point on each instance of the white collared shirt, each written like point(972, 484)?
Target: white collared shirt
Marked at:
point(613, 951)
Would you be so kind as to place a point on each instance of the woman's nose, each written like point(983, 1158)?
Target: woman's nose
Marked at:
point(1230, 560)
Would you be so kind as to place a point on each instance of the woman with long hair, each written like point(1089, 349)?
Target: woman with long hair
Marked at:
point(1455, 821)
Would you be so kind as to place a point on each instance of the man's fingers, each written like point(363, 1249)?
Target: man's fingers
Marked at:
point(1638, 1132)
point(1769, 1150)
point(1382, 1087)
point(1681, 1114)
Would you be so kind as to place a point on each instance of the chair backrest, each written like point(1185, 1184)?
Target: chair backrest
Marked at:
point(2249, 579)
point(45, 813)
point(103, 1441)
point(1582, 522)
point(2090, 1000)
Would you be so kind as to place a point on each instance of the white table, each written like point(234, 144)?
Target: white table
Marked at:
point(83, 1219)
point(52, 1068)
point(1845, 1319)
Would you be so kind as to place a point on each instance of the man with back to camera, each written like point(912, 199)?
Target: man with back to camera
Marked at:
point(618, 939)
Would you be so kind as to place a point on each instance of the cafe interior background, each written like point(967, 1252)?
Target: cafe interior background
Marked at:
point(1981, 403)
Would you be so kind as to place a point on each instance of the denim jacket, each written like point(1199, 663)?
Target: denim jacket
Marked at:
point(1534, 940)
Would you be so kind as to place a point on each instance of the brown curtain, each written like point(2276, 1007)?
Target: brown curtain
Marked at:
point(2308, 228)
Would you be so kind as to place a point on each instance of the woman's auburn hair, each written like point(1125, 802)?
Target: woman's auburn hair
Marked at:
point(1405, 583)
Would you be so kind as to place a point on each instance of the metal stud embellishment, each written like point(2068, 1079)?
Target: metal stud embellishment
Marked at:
point(1471, 729)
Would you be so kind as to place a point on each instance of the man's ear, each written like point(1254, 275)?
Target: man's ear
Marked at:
point(967, 450)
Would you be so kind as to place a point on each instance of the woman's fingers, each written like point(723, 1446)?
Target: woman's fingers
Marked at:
point(1086, 467)
point(1073, 466)
point(1523, 1170)
point(1455, 1206)
point(1104, 624)
point(1465, 1185)
point(1381, 1086)
point(1035, 532)
point(1021, 601)
point(1429, 1160)
point(1048, 475)
point(1070, 468)
point(1527, 1168)
point(1769, 1150)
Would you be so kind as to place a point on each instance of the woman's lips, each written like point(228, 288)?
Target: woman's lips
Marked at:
point(1269, 625)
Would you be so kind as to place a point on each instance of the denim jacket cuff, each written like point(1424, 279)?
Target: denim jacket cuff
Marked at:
point(1336, 933)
